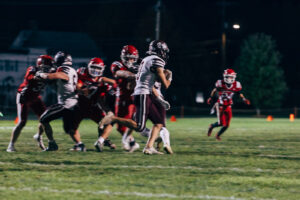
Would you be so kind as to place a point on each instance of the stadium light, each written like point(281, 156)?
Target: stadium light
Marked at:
point(236, 26)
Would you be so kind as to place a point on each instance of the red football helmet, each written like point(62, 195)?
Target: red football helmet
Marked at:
point(44, 63)
point(129, 55)
point(229, 76)
point(96, 67)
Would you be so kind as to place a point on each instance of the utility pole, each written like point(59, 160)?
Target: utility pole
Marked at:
point(223, 36)
point(157, 24)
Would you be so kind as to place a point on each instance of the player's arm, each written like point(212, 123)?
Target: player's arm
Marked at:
point(58, 75)
point(108, 80)
point(160, 99)
point(212, 94)
point(125, 74)
point(162, 77)
point(246, 101)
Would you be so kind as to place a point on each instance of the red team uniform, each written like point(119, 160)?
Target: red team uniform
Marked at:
point(225, 89)
point(124, 106)
point(89, 105)
point(28, 95)
point(225, 95)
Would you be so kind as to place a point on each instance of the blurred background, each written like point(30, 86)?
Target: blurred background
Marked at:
point(259, 39)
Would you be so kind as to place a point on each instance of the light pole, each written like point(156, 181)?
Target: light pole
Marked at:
point(157, 24)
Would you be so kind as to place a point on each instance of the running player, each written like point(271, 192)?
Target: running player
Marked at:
point(225, 89)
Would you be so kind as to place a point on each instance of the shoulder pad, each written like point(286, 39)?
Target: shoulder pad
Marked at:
point(238, 85)
point(115, 66)
point(218, 84)
point(64, 69)
point(81, 70)
point(158, 61)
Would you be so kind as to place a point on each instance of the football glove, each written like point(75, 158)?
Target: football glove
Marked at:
point(164, 103)
point(209, 101)
point(169, 75)
point(41, 75)
point(246, 101)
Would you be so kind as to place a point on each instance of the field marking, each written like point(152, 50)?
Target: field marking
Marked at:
point(138, 194)
point(278, 156)
point(235, 169)
point(12, 127)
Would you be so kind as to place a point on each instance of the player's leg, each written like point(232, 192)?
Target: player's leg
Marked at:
point(216, 124)
point(226, 117)
point(157, 116)
point(71, 127)
point(39, 108)
point(165, 136)
point(103, 139)
point(53, 112)
point(96, 114)
point(128, 141)
point(22, 111)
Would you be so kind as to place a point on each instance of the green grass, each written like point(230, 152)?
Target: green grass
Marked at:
point(255, 160)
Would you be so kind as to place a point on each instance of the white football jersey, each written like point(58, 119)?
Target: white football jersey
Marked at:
point(146, 76)
point(66, 94)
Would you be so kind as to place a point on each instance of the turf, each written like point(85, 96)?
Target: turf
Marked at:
point(256, 159)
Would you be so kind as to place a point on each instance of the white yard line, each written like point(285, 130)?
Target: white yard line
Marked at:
point(138, 194)
point(235, 169)
point(12, 127)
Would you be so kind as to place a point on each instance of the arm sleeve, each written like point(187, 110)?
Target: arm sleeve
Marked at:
point(30, 73)
point(115, 66)
point(157, 62)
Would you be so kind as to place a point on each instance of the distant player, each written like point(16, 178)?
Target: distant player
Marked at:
point(124, 72)
point(67, 107)
point(92, 87)
point(147, 105)
point(28, 97)
point(225, 89)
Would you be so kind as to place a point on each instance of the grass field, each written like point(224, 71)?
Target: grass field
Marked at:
point(255, 160)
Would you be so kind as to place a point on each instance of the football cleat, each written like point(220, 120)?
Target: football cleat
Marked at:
point(109, 144)
point(168, 149)
point(210, 129)
point(106, 120)
point(10, 149)
point(150, 151)
point(134, 147)
point(218, 138)
point(78, 147)
point(52, 146)
point(98, 146)
point(39, 139)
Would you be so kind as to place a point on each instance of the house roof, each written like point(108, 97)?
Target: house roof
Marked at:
point(76, 43)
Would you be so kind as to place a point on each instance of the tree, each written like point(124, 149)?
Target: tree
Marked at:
point(259, 72)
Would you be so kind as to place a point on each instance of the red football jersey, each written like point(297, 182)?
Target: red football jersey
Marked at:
point(124, 88)
point(226, 93)
point(31, 87)
point(96, 90)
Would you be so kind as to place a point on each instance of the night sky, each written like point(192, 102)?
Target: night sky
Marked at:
point(192, 29)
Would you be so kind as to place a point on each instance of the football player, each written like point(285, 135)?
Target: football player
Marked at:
point(28, 97)
point(147, 105)
point(124, 72)
point(225, 90)
point(92, 87)
point(67, 106)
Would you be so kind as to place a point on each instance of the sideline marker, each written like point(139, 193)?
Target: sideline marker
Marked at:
point(270, 118)
point(173, 118)
point(292, 117)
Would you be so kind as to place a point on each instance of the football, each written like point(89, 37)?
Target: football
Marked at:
point(168, 74)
